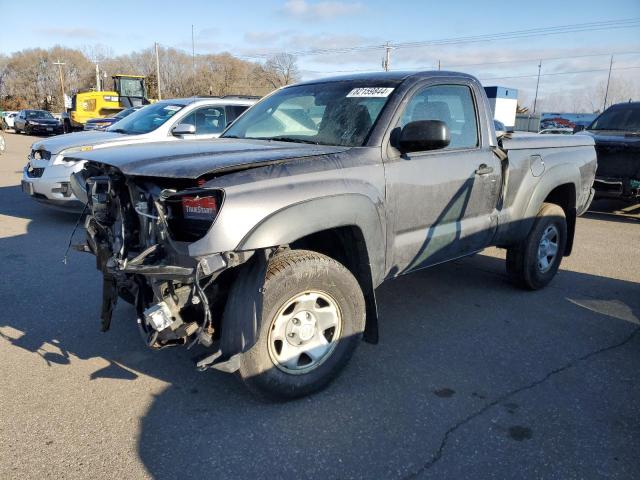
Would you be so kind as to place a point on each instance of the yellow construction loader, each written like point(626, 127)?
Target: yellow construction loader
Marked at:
point(128, 91)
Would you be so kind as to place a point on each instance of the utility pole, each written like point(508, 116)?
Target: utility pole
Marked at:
point(438, 65)
point(60, 64)
point(158, 72)
point(386, 63)
point(535, 100)
point(193, 50)
point(97, 78)
point(606, 92)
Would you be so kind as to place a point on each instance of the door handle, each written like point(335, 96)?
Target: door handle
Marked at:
point(484, 169)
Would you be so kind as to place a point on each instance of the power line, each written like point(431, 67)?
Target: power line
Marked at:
point(501, 62)
point(544, 59)
point(572, 72)
point(562, 29)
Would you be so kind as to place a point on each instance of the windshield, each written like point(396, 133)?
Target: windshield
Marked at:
point(622, 117)
point(124, 113)
point(131, 87)
point(146, 119)
point(339, 113)
point(38, 114)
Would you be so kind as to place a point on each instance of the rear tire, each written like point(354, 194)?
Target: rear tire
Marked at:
point(534, 262)
point(313, 317)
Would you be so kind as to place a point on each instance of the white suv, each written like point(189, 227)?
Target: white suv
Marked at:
point(46, 176)
point(8, 119)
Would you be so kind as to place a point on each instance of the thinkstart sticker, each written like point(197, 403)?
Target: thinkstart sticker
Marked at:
point(380, 92)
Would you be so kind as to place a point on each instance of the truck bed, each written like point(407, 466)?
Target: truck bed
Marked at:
point(535, 141)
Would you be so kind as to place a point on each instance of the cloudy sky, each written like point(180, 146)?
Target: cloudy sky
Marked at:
point(254, 28)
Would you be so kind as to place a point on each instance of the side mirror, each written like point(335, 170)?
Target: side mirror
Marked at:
point(424, 135)
point(183, 129)
point(578, 128)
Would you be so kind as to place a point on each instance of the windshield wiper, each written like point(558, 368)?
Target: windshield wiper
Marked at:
point(118, 130)
point(291, 139)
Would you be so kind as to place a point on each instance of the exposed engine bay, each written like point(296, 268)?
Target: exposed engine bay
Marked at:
point(139, 232)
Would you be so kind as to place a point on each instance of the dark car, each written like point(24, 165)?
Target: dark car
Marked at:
point(36, 121)
point(103, 123)
point(617, 135)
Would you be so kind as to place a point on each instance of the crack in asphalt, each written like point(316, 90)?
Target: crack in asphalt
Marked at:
point(443, 443)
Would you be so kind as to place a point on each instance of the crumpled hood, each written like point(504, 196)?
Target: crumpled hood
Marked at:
point(192, 159)
point(77, 139)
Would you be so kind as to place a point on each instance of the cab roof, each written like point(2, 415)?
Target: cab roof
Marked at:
point(394, 76)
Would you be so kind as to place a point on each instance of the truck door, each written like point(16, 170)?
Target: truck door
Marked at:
point(442, 202)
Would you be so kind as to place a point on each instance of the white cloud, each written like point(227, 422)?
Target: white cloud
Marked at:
point(70, 32)
point(265, 38)
point(323, 9)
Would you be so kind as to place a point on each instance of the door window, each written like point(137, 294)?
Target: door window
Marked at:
point(451, 104)
point(207, 120)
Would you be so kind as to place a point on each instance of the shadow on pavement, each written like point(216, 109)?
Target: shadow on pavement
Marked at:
point(454, 338)
point(614, 210)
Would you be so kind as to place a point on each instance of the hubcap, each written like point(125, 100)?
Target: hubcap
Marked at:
point(548, 248)
point(304, 332)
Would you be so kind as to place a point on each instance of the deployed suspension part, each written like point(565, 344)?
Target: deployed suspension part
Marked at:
point(164, 323)
point(109, 299)
point(99, 189)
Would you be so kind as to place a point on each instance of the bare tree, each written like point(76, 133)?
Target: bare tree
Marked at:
point(281, 69)
point(29, 79)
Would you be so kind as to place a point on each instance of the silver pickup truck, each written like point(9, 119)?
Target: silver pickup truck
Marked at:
point(264, 248)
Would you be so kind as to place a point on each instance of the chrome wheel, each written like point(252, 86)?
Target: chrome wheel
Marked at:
point(304, 332)
point(548, 248)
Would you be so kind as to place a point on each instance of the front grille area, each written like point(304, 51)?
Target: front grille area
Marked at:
point(34, 172)
point(44, 154)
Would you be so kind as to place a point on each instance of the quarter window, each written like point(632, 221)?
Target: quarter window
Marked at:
point(451, 104)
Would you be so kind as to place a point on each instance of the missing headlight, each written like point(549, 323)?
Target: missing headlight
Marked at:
point(192, 212)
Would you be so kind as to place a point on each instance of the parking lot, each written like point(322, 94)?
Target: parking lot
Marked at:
point(472, 378)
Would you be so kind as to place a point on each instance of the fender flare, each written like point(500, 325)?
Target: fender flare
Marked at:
point(315, 215)
point(553, 178)
point(296, 221)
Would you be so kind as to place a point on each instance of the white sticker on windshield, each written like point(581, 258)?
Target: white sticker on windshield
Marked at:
point(172, 108)
point(370, 92)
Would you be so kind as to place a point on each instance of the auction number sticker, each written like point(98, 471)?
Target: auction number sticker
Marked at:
point(380, 92)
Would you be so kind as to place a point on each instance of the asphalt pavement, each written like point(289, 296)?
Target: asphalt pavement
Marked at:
point(472, 377)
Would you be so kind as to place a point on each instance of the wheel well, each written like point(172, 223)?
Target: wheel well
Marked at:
point(347, 246)
point(565, 197)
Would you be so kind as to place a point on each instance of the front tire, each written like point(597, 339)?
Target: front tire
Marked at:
point(313, 317)
point(533, 263)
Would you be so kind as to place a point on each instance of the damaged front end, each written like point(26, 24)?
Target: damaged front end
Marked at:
point(139, 230)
